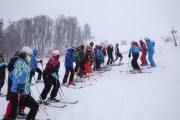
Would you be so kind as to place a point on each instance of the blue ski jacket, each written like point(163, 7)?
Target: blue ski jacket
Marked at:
point(135, 49)
point(99, 54)
point(20, 76)
point(34, 61)
point(150, 46)
point(69, 59)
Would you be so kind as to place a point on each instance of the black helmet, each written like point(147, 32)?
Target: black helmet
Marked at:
point(91, 43)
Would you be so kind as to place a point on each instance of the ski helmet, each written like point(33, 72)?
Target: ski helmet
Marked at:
point(132, 42)
point(27, 50)
point(146, 38)
point(91, 43)
point(55, 53)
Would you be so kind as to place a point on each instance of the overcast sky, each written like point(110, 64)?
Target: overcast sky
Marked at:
point(111, 20)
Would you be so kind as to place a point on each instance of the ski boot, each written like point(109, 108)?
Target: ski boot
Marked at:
point(22, 115)
point(53, 99)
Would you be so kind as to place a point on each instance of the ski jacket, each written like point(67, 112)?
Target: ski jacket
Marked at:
point(20, 76)
point(99, 54)
point(76, 55)
point(135, 48)
point(52, 66)
point(3, 66)
point(87, 57)
point(34, 61)
point(150, 46)
point(69, 59)
point(12, 62)
point(109, 50)
point(117, 50)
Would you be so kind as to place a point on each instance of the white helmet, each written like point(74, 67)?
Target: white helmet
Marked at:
point(27, 50)
point(55, 53)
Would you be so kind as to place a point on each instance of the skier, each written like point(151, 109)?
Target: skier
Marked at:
point(34, 67)
point(135, 49)
point(21, 113)
point(104, 54)
point(78, 55)
point(96, 57)
point(118, 54)
point(150, 49)
point(51, 77)
point(69, 59)
point(99, 58)
point(3, 66)
point(110, 54)
point(87, 58)
point(20, 90)
point(144, 52)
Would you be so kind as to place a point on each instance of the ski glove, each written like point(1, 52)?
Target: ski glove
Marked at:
point(129, 55)
point(20, 88)
point(3, 63)
point(55, 76)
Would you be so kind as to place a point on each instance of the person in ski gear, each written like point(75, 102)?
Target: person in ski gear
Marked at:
point(34, 67)
point(87, 57)
point(150, 49)
point(135, 49)
point(118, 54)
point(104, 54)
point(110, 54)
point(20, 90)
point(3, 66)
point(21, 113)
point(51, 77)
point(69, 59)
point(99, 57)
point(144, 53)
point(96, 56)
point(78, 55)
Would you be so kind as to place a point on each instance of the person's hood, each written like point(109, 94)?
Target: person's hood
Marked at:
point(34, 52)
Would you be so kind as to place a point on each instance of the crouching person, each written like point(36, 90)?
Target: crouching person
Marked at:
point(20, 90)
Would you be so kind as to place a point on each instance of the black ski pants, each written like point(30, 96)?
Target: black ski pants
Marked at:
point(49, 81)
point(76, 67)
point(32, 73)
point(117, 56)
point(98, 63)
point(68, 69)
point(9, 89)
point(2, 79)
point(25, 100)
point(134, 62)
point(110, 59)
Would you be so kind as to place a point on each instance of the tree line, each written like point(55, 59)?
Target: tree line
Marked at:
point(43, 33)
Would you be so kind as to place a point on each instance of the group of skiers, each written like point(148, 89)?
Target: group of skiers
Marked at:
point(144, 48)
point(23, 65)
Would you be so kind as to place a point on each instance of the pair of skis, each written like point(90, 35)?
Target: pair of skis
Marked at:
point(60, 106)
point(121, 71)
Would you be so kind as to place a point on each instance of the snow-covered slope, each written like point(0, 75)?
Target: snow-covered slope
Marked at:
point(121, 96)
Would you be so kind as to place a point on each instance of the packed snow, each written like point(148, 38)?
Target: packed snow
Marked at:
point(120, 96)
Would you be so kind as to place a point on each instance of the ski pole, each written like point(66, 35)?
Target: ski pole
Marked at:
point(18, 105)
point(61, 89)
point(58, 90)
point(44, 112)
point(128, 66)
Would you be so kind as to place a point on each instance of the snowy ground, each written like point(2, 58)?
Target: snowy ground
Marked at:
point(122, 96)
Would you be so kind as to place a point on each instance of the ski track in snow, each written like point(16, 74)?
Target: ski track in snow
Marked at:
point(122, 96)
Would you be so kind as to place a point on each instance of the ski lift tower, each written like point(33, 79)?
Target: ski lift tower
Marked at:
point(174, 31)
point(93, 37)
